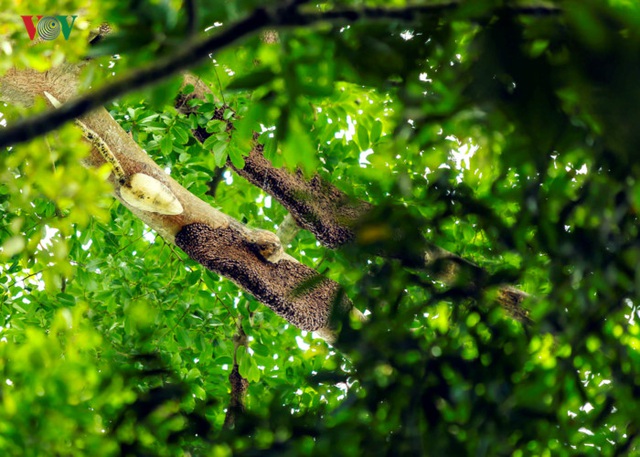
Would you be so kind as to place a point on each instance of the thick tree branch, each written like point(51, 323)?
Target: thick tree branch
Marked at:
point(333, 217)
point(316, 205)
point(195, 52)
point(224, 251)
point(251, 258)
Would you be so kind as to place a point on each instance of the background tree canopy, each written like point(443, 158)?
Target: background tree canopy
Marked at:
point(502, 132)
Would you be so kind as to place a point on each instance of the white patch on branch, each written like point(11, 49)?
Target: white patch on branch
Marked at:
point(140, 190)
point(148, 194)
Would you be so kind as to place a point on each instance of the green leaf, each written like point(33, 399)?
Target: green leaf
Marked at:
point(182, 337)
point(66, 299)
point(199, 392)
point(180, 133)
point(220, 153)
point(299, 148)
point(253, 374)
point(363, 137)
point(376, 131)
point(193, 277)
point(270, 148)
point(188, 89)
point(193, 375)
point(244, 361)
point(211, 280)
point(210, 142)
point(260, 349)
point(148, 119)
point(223, 360)
point(207, 109)
point(236, 157)
point(166, 145)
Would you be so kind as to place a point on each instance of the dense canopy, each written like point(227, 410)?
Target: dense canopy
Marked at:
point(455, 191)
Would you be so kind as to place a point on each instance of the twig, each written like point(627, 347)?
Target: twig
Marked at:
point(216, 178)
point(192, 17)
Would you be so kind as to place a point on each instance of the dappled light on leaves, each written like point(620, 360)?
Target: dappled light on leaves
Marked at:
point(461, 194)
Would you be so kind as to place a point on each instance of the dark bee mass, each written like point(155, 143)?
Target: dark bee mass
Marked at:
point(281, 285)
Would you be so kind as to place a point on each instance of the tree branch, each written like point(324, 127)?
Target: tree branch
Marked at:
point(216, 178)
point(192, 17)
point(333, 217)
point(195, 52)
point(239, 385)
point(251, 258)
point(184, 58)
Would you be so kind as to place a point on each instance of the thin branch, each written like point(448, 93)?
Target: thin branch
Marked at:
point(192, 17)
point(239, 384)
point(184, 58)
point(287, 230)
point(216, 178)
point(215, 72)
point(98, 34)
point(412, 13)
point(197, 51)
point(175, 325)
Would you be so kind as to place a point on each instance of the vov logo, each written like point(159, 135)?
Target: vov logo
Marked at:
point(48, 27)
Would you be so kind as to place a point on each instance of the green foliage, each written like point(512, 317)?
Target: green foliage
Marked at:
point(506, 137)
